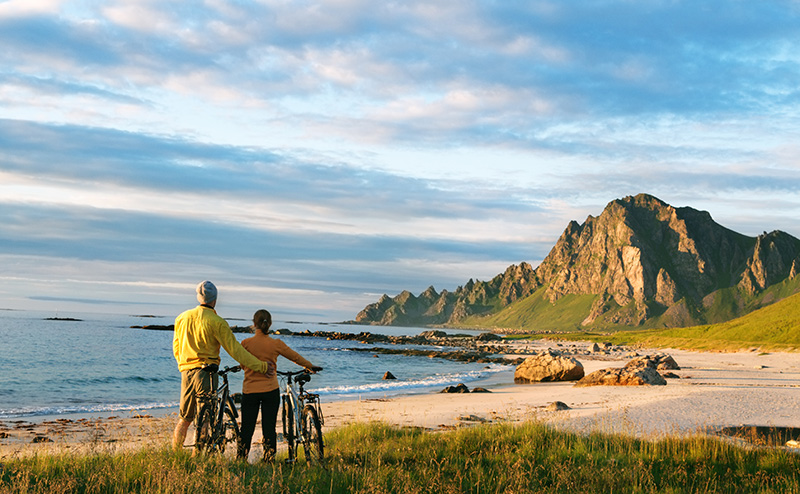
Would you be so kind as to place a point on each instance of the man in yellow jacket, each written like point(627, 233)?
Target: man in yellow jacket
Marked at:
point(199, 333)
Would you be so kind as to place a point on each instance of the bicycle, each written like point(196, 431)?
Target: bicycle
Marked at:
point(302, 418)
point(216, 424)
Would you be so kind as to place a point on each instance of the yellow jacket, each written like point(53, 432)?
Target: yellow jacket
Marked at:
point(199, 332)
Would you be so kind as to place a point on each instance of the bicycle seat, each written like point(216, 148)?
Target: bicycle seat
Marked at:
point(303, 378)
point(211, 368)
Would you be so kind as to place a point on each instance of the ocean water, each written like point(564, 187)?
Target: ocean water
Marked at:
point(101, 364)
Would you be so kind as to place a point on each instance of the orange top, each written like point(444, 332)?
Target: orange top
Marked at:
point(267, 349)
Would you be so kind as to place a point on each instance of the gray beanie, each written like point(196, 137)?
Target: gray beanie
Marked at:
point(206, 292)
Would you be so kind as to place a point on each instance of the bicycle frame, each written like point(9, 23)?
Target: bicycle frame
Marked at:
point(295, 404)
point(212, 408)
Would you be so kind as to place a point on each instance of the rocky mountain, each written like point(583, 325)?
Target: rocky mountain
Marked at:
point(641, 262)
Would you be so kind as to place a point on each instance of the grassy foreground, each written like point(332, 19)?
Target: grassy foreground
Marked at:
point(376, 458)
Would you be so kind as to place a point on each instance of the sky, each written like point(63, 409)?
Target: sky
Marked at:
point(308, 157)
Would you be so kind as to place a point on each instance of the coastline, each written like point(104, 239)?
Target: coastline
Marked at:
point(712, 391)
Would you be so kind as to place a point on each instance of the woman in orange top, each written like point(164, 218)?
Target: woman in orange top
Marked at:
point(260, 391)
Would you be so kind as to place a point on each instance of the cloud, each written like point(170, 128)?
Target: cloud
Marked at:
point(358, 147)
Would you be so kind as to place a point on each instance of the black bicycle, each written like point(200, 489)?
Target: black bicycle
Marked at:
point(216, 424)
point(302, 418)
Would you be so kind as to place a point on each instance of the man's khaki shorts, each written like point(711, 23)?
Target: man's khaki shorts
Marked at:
point(194, 382)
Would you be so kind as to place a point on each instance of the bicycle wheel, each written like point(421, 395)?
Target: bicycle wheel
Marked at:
point(230, 431)
point(312, 435)
point(287, 418)
point(204, 429)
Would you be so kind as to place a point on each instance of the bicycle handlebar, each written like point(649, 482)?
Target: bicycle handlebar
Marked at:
point(224, 371)
point(296, 373)
point(292, 374)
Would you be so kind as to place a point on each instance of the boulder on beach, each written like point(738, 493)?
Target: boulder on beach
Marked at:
point(640, 371)
point(388, 375)
point(557, 406)
point(548, 366)
point(480, 390)
point(458, 388)
point(488, 337)
point(433, 334)
point(659, 361)
point(665, 362)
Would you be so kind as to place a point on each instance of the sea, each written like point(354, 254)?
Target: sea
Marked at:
point(89, 363)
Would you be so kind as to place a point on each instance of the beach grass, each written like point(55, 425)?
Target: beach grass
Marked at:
point(378, 458)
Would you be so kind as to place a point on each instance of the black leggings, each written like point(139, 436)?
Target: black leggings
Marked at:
point(269, 403)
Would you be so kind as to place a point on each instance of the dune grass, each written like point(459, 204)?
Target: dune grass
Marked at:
point(377, 458)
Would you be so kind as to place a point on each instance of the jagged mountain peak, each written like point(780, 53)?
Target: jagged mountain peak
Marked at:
point(640, 258)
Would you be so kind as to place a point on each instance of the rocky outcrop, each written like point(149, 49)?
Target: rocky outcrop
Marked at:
point(623, 377)
point(641, 258)
point(548, 366)
point(639, 371)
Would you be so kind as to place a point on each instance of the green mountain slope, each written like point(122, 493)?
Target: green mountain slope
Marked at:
point(776, 326)
point(536, 313)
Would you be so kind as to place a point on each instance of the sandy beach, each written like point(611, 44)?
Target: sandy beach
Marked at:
point(712, 391)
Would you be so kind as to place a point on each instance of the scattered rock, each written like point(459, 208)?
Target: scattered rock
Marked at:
point(488, 337)
point(471, 418)
point(388, 375)
point(433, 334)
point(458, 388)
point(480, 390)
point(41, 439)
point(548, 366)
point(594, 348)
point(557, 406)
point(665, 362)
point(283, 331)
